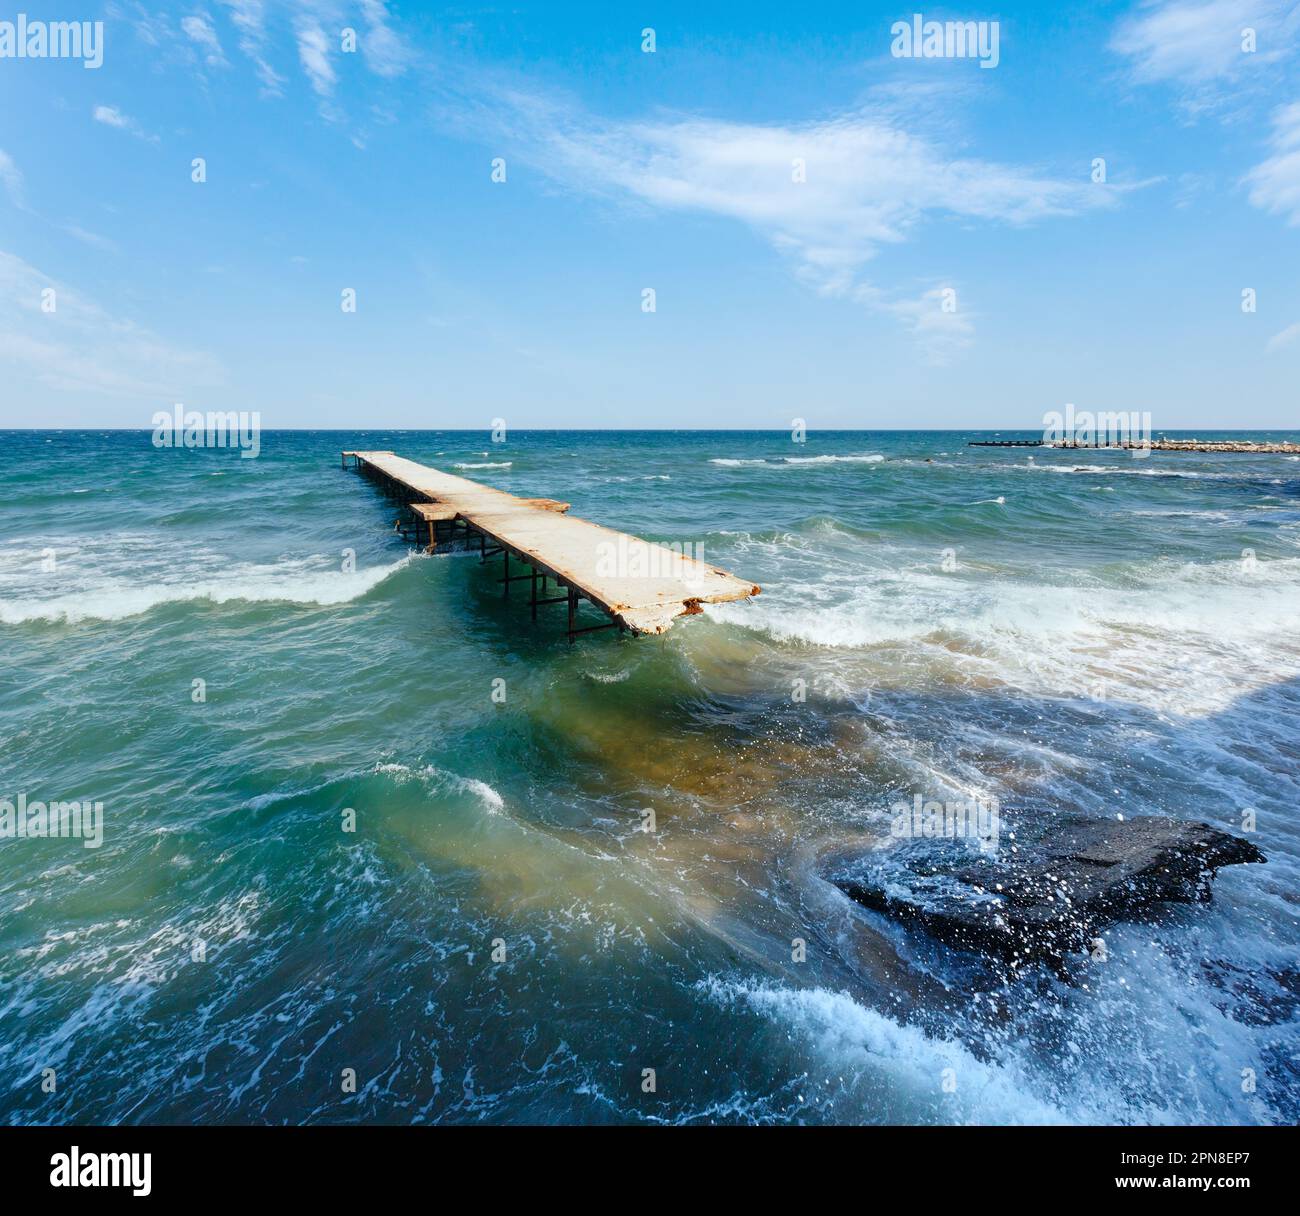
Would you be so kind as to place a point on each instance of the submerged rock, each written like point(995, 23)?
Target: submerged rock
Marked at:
point(1045, 897)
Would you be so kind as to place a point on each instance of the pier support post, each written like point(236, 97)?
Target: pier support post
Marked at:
point(533, 598)
point(505, 570)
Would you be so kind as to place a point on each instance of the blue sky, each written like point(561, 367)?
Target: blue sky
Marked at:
point(822, 299)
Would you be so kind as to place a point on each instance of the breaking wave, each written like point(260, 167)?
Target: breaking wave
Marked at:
point(852, 1038)
point(115, 599)
point(782, 461)
point(442, 781)
point(1196, 626)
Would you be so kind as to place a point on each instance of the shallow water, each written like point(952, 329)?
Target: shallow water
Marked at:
point(1107, 633)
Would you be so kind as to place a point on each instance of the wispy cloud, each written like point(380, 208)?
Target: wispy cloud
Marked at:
point(93, 239)
point(315, 27)
point(1203, 46)
point(199, 29)
point(79, 347)
point(386, 54)
point(111, 116)
point(249, 19)
point(828, 193)
point(938, 326)
point(1275, 182)
point(11, 178)
point(1290, 336)
point(314, 54)
point(825, 195)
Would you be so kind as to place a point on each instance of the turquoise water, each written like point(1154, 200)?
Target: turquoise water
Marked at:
point(1071, 630)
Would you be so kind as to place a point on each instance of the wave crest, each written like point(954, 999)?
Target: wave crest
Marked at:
point(116, 602)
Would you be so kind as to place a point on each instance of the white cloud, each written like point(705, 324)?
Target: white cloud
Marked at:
point(1288, 337)
point(199, 29)
point(111, 116)
point(248, 17)
point(871, 179)
point(938, 323)
point(93, 239)
point(1198, 44)
point(313, 52)
point(81, 348)
point(12, 179)
point(1182, 40)
point(315, 26)
point(1275, 182)
point(386, 54)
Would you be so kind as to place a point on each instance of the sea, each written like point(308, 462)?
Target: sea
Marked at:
point(378, 848)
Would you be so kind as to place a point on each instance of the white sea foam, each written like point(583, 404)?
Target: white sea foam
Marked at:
point(1132, 469)
point(1200, 631)
point(778, 462)
point(853, 1039)
point(440, 779)
point(869, 458)
point(487, 464)
point(1127, 1037)
point(100, 583)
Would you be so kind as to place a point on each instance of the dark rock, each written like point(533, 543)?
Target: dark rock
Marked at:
point(1041, 897)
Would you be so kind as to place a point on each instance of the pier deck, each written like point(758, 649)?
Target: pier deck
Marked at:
point(641, 585)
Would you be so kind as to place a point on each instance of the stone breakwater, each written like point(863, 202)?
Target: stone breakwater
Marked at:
point(1198, 445)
